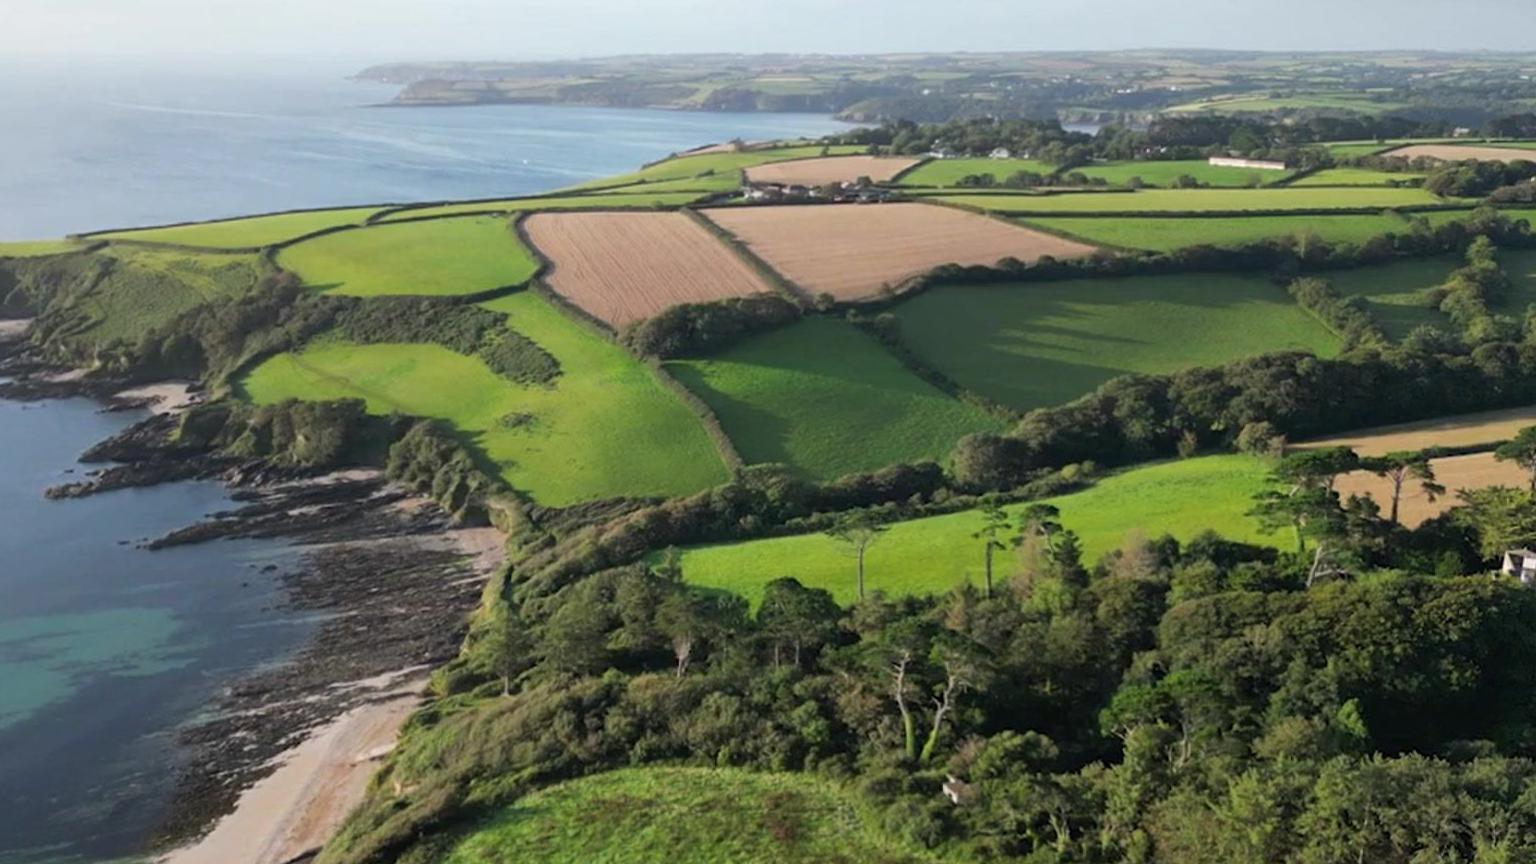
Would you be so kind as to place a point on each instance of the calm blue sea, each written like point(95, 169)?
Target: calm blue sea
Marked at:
point(102, 146)
point(105, 649)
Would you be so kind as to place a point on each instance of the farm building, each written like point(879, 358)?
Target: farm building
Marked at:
point(1236, 162)
point(1520, 564)
point(1001, 153)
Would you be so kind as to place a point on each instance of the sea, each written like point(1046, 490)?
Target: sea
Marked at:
point(106, 648)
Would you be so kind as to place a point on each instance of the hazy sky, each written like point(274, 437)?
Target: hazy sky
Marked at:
point(513, 29)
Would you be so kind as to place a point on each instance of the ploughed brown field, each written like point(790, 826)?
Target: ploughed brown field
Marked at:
point(1460, 153)
point(1455, 473)
point(622, 267)
point(1462, 430)
point(852, 251)
point(830, 169)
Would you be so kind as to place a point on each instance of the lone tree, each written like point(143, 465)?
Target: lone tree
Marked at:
point(858, 531)
point(1305, 501)
point(1522, 452)
point(796, 616)
point(996, 532)
point(1400, 467)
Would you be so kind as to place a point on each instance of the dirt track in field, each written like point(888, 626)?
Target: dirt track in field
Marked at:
point(622, 267)
point(852, 251)
point(1455, 473)
point(1463, 430)
point(1458, 152)
point(830, 169)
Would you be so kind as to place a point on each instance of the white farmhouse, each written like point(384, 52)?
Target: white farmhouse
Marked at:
point(1520, 564)
point(1001, 153)
point(1257, 164)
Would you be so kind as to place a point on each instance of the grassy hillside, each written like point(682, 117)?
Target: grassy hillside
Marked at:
point(249, 233)
point(148, 288)
point(1164, 234)
point(574, 441)
point(684, 816)
point(828, 399)
point(438, 257)
point(1037, 344)
point(1202, 200)
point(641, 197)
point(934, 554)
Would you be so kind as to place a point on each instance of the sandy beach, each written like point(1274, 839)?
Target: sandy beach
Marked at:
point(297, 808)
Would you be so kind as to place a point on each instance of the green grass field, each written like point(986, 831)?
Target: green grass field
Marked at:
point(706, 165)
point(249, 233)
point(684, 816)
point(1395, 291)
point(440, 257)
point(932, 555)
point(725, 182)
point(36, 248)
point(1356, 177)
point(607, 427)
point(947, 172)
point(826, 398)
point(1164, 234)
point(1155, 173)
point(1202, 200)
point(1036, 344)
point(640, 198)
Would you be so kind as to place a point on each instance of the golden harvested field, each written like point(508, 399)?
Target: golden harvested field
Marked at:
point(852, 251)
point(622, 267)
point(1461, 153)
point(1455, 473)
point(830, 169)
point(1463, 430)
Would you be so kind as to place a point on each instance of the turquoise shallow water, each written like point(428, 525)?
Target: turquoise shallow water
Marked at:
point(105, 648)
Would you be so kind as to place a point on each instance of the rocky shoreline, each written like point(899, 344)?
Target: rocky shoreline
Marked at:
point(387, 574)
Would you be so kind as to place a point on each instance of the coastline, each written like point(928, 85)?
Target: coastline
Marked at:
point(312, 726)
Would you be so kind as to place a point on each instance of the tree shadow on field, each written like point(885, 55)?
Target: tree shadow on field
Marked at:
point(758, 435)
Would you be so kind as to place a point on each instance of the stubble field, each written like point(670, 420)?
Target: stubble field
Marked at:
point(623, 267)
point(853, 252)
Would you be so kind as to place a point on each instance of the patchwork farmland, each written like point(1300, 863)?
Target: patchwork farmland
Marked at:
point(854, 253)
point(622, 267)
point(832, 169)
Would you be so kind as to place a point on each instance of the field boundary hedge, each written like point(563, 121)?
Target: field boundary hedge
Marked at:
point(781, 283)
point(889, 336)
point(189, 223)
point(706, 415)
